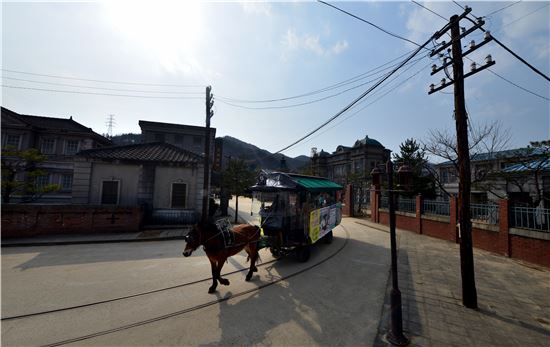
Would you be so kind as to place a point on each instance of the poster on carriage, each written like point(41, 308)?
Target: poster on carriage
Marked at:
point(322, 221)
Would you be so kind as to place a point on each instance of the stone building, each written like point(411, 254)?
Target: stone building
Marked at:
point(57, 138)
point(361, 158)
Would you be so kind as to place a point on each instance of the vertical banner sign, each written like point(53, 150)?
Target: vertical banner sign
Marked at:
point(323, 220)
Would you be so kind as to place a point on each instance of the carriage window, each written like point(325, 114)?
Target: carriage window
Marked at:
point(179, 192)
point(109, 192)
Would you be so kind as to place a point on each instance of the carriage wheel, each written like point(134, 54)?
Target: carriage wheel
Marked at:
point(275, 252)
point(328, 237)
point(303, 253)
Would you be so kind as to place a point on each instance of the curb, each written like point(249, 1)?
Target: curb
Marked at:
point(83, 242)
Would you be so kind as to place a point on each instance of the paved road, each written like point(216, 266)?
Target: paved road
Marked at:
point(338, 302)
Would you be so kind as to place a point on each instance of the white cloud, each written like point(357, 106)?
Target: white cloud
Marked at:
point(293, 42)
point(257, 7)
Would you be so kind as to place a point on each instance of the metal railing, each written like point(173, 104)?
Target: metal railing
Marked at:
point(530, 218)
point(406, 205)
point(365, 199)
point(440, 208)
point(486, 213)
point(384, 202)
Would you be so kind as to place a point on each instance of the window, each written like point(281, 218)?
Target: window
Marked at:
point(13, 141)
point(109, 192)
point(197, 140)
point(42, 181)
point(159, 137)
point(71, 147)
point(179, 192)
point(66, 182)
point(48, 146)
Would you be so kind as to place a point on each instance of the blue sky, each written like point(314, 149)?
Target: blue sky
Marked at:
point(267, 50)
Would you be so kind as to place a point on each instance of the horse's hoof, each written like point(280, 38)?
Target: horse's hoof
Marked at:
point(211, 290)
point(254, 269)
point(224, 281)
point(248, 277)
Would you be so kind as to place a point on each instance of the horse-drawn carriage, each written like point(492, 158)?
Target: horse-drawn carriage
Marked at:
point(295, 211)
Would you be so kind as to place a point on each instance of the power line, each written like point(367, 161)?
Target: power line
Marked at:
point(369, 104)
point(525, 15)
point(103, 94)
point(370, 23)
point(104, 81)
point(100, 88)
point(437, 14)
point(307, 102)
point(505, 7)
point(349, 106)
point(330, 87)
point(520, 87)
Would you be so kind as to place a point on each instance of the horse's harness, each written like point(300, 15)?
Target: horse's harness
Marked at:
point(228, 235)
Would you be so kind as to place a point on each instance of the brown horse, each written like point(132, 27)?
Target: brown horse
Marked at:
point(209, 236)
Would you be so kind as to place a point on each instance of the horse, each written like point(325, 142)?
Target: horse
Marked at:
point(246, 237)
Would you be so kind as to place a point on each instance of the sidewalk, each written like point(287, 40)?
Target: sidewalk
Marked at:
point(513, 297)
point(73, 239)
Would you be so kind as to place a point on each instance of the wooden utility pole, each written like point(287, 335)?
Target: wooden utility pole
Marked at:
point(469, 292)
point(206, 186)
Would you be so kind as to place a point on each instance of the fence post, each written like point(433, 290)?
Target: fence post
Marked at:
point(503, 227)
point(452, 218)
point(374, 204)
point(419, 213)
point(348, 201)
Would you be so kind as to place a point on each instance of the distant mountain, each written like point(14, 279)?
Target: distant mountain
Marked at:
point(260, 158)
point(255, 157)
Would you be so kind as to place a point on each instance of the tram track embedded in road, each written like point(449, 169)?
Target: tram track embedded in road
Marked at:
point(203, 305)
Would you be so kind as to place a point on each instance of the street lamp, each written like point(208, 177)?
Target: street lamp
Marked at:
point(395, 335)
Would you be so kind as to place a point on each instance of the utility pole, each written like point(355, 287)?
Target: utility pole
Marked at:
point(206, 186)
point(469, 292)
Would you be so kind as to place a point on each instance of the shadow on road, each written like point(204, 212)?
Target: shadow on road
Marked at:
point(335, 303)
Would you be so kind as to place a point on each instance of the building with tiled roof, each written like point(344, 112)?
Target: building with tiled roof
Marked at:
point(522, 175)
point(157, 176)
point(57, 138)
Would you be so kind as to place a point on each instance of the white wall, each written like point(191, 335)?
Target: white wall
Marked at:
point(165, 176)
point(128, 176)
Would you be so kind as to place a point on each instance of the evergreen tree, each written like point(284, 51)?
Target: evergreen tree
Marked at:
point(413, 155)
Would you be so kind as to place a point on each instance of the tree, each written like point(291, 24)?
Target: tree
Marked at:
point(236, 179)
point(413, 155)
point(19, 174)
point(488, 138)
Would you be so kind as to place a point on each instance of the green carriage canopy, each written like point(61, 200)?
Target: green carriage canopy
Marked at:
point(270, 181)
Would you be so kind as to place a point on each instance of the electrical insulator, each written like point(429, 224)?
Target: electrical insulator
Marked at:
point(434, 67)
point(487, 35)
point(432, 87)
point(473, 66)
point(488, 59)
point(442, 82)
point(463, 29)
point(472, 44)
point(479, 20)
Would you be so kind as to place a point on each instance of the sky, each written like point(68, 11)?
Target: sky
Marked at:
point(166, 52)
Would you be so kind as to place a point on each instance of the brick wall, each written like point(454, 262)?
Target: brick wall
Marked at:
point(532, 246)
point(30, 220)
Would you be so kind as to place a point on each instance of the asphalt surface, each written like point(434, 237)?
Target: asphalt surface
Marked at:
point(336, 302)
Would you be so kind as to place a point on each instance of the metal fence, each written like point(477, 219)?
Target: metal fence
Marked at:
point(171, 217)
point(440, 208)
point(384, 202)
point(406, 205)
point(365, 199)
point(486, 213)
point(530, 218)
